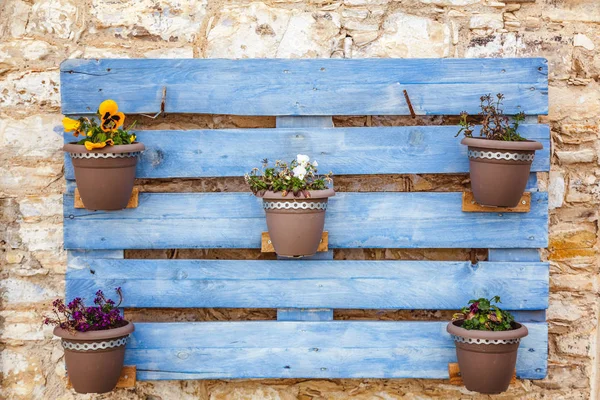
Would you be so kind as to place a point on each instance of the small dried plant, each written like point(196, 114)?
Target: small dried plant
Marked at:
point(482, 315)
point(76, 317)
point(299, 176)
point(494, 124)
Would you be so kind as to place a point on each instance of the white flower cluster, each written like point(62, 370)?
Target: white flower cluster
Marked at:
point(303, 161)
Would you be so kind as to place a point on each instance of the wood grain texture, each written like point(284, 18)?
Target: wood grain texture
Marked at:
point(456, 378)
point(353, 220)
point(126, 380)
point(470, 205)
point(375, 150)
point(304, 87)
point(314, 284)
point(267, 247)
point(330, 349)
point(132, 203)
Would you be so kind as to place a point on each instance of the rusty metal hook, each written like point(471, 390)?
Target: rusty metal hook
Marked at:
point(410, 107)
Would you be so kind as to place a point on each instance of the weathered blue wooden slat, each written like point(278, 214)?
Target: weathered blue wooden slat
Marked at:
point(314, 284)
point(377, 150)
point(354, 220)
point(304, 87)
point(332, 349)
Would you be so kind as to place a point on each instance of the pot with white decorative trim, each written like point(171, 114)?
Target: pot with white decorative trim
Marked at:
point(486, 359)
point(105, 176)
point(500, 158)
point(94, 359)
point(296, 223)
point(499, 169)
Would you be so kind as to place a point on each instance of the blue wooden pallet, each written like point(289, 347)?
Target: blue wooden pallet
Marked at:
point(305, 342)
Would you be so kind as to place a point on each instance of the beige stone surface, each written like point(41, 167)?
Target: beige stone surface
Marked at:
point(171, 20)
point(408, 36)
point(36, 35)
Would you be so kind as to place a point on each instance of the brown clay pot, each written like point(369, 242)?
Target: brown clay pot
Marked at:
point(94, 359)
point(105, 176)
point(499, 169)
point(295, 223)
point(486, 359)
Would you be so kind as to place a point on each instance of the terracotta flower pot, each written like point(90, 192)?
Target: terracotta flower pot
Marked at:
point(94, 359)
point(105, 176)
point(295, 223)
point(486, 359)
point(499, 169)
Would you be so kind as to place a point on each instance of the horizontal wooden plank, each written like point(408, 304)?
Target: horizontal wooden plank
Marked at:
point(315, 284)
point(354, 220)
point(376, 150)
point(304, 87)
point(470, 205)
point(267, 247)
point(132, 203)
point(286, 349)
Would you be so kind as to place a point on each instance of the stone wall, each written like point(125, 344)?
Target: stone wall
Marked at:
point(38, 34)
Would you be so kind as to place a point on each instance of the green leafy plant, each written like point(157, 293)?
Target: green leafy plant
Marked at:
point(482, 315)
point(299, 176)
point(494, 124)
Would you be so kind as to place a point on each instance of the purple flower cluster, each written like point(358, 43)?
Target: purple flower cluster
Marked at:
point(75, 316)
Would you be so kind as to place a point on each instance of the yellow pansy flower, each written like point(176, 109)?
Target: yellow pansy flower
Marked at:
point(91, 146)
point(111, 118)
point(71, 125)
point(89, 134)
point(132, 139)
